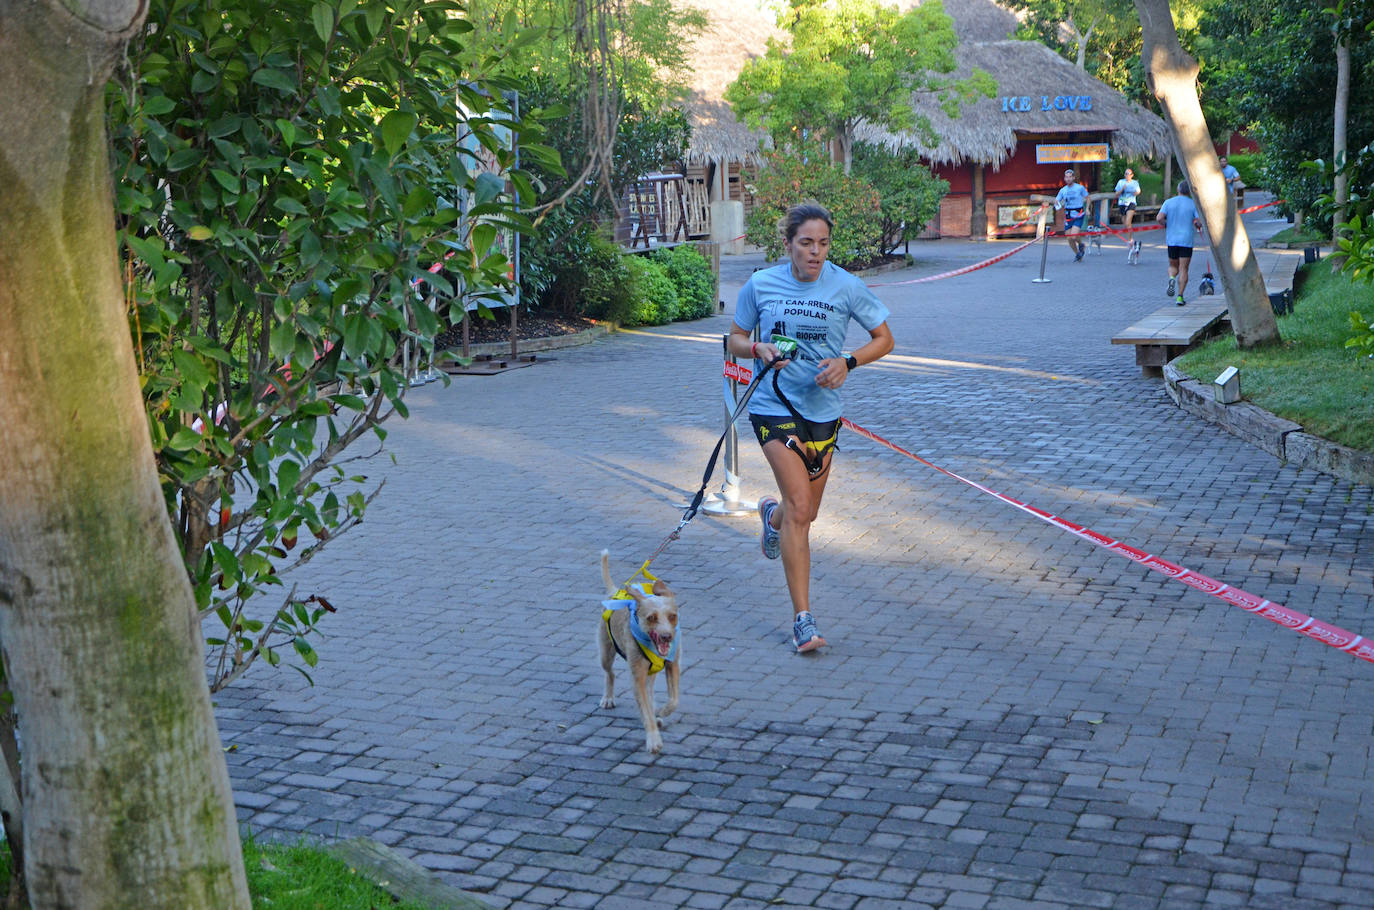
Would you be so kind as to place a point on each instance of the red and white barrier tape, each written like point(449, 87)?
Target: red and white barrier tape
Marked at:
point(1335, 636)
point(964, 271)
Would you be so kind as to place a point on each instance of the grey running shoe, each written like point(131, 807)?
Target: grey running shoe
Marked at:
point(769, 539)
point(1173, 287)
point(804, 634)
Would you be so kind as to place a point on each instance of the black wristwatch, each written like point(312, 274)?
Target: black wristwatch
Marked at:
point(851, 361)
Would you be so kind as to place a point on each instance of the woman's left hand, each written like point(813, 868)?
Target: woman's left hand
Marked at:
point(834, 371)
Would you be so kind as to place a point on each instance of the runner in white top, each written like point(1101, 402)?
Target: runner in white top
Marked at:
point(1127, 190)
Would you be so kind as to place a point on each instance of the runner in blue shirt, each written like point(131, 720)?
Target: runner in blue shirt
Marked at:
point(1073, 199)
point(1127, 189)
point(811, 301)
point(1178, 214)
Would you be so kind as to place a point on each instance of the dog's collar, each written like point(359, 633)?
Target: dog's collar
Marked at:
point(641, 637)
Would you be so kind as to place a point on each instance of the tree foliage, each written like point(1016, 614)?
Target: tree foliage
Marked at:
point(852, 62)
point(646, 140)
point(786, 180)
point(908, 193)
point(1103, 38)
point(286, 172)
point(1275, 64)
point(609, 73)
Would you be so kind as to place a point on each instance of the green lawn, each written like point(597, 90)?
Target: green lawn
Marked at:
point(1299, 235)
point(1311, 378)
point(304, 877)
point(299, 877)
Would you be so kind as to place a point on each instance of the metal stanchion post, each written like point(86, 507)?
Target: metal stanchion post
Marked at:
point(1043, 232)
point(409, 344)
point(727, 502)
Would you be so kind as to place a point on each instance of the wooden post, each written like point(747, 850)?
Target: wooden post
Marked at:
point(978, 217)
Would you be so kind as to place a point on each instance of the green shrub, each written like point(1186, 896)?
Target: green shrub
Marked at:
point(579, 275)
point(602, 277)
point(693, 279)
point(652, 297)
point(1249, 167)
point(854, 204)
point(1361, 334)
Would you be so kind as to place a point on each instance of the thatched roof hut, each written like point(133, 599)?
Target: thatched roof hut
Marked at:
point(986, 132)
point(976, 20)
point(737, 32)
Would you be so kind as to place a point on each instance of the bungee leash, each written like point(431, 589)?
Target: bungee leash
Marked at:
point(814, 465)
point(786, 346)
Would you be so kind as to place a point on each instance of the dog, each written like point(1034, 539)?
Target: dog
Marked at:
point(656, 614)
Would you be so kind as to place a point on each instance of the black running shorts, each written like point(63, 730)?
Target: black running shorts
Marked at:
point(822, 436)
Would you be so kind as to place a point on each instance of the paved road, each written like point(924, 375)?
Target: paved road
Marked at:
point(1007, 716)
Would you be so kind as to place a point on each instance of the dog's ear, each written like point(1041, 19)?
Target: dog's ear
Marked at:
point(661, 590)
point(633, 591)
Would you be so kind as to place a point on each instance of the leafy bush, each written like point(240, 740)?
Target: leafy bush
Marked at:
point(653, 296)
point(1300, 190)
point(281, 188)
point(908, 193)
point(554, 266)
point(692, 276)
point(1362, 334)
point(552, 273)
point(584, 275)
point(1249, 167)
point(855, 205)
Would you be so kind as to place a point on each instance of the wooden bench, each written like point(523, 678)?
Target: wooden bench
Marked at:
point(1171, 330)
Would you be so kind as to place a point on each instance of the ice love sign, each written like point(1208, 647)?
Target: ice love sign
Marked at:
point(1012, 104)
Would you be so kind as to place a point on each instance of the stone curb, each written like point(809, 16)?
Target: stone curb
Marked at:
point(894, 266)
point(400, 876)
point(534, 345)
point(1298, 245)
point(1281, 438)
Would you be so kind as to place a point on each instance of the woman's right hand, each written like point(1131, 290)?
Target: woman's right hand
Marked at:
point(768, 352)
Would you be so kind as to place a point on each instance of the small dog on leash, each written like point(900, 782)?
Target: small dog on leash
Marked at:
point(646, 635)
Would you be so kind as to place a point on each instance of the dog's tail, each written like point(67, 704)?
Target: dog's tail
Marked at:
point(606, 572)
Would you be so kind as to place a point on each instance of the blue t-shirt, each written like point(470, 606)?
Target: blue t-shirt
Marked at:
point(1179, 212)
point(1230, 173)
point(815, 313)
point(1072, 196)
point(1129, 189)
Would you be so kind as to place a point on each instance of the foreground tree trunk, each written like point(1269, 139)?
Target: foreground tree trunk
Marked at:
point(125, 793)
point(1172, 77)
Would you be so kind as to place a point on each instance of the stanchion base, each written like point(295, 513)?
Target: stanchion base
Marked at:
point(1041, 280)
point(730, 508)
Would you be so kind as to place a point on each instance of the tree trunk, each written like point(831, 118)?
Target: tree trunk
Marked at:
point(1082, 39)
point(1172, 77)
point(125, 791)
point(1338, 152)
